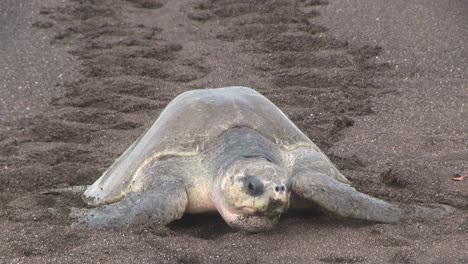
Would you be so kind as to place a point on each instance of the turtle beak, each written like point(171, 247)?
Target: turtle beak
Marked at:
point(275, 205)
point(279, 200)
point(274, 208)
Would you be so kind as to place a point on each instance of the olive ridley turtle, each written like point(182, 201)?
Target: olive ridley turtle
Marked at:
point(229, 150)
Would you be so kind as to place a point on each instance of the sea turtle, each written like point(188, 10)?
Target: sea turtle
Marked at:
point(229, 150)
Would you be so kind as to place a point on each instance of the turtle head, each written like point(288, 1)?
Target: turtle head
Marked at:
point(252, 193)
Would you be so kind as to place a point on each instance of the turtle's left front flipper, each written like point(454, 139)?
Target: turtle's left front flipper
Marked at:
point(161, 205)
point(342, 199)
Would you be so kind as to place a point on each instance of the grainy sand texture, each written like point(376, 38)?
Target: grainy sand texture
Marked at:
point(380, 86)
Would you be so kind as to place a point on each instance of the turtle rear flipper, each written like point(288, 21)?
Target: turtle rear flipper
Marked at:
point(341, 199)
point(161, 205)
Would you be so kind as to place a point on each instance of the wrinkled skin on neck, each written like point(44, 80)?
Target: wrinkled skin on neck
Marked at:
point(252, 193)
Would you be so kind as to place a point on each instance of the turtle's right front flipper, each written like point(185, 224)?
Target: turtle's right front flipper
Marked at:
point(341, 199)
point(161, 205)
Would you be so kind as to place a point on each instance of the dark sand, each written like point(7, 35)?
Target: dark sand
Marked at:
point(381, 89)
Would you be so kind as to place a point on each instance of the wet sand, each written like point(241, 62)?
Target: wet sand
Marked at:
point(381, 90)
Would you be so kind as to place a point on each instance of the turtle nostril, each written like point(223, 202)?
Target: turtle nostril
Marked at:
point(280, 188)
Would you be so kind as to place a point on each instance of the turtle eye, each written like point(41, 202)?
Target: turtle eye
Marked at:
point(253, 185)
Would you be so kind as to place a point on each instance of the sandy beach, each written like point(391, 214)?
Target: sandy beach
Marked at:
point(381, 88)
